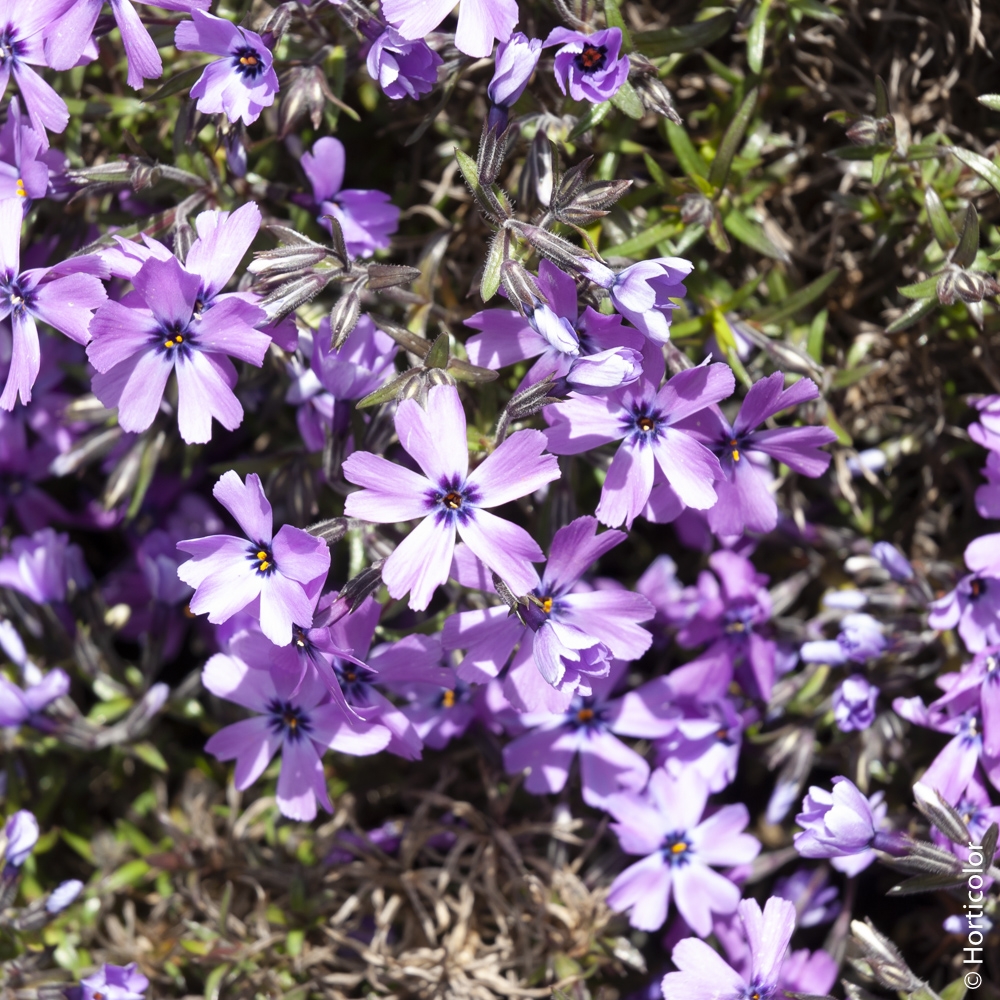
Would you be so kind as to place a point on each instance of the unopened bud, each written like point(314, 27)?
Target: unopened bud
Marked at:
point(969, 287)
point(344, 315)
point(302, 96)
point(521, 287)
point(285, 300)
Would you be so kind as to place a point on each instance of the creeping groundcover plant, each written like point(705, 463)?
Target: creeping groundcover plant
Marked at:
point(500, 499)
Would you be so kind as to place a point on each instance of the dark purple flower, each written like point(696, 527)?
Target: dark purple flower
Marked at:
point(21, 833)
point(447, 497)
point(854, 704)
point(589, 67)
point(562, 338)
point(43, 567)
point(642, 293)
point(860, 639)
point(575, 631)
point(403, 68)
point(681, 845)
point(644, 415)
point(64, 296)
point(26, 166)
point(733, 607)
point(988, 495)
point(440, 715)
point(112, 982)
point(842, 825)
point(974, 605)
point(703, 974)
point(136, 347)
point(280, 575)
point(705, 738)
point(240, 84)
point(816, 901)
point(893, 561)
point(745, 498)
point(479, 21)
point(67, 39)
point(296, 718)
point(367, 218)
point(516, 60)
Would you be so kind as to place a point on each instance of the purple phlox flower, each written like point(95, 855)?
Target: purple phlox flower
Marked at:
point(734, 607)
point(112, 982)
point(978, 813)
point(847, 599)
point(45, 567)
point(642, 292)
point(413, 660)
point(448, 498)
point(643, 416)
point(67, 39)
point(25, 707)
point(348, 845)
point(440, 715)
point(25, 163)
point(816, 901)
point(868, 460)
point(367, 217)
point(316, 408)
point(809, 972)
point(854, 703)
point(986, 433)
point(64, 296)
point(704, 975)
point(136, 347)
point(588, 728)
point(893, 561)
point(21, 834)
point(973, 607)
point(706, 738)
point(589, 67)
point(277, 577)
point(587, 347)
point(860, 639)
point(23, 26)
point(63, 895)
point(976, 685)
point(402, 67)
point(681, 844)
point(240, 84)
point(988, 495)
point(516, 60)
point(962, 923)
point(674, 603)
point(746, 502)
point(158, 561)
point(571, 633)
point(843, 825)
point(479, 21)
point(302, 725)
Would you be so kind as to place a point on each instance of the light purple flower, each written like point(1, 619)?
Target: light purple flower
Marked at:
point(240, 84)
point(705, 738)
point(574, 631)
point(277, 576)
point(440, 715)
point(25, 707)
point(64, 296)
point(860, 639)
point(987, 432)
point(854, 704)
point(843, 825)
point(23, 25)
point(402, 68)
point(977, 811)
point(974, 605)
point(136, 347)
point(893, 561)
point(21, 831)
point(43, 566)
point(667, 825)
point(67, 39)
point(703, 974)
point(479, 21)
point(746, 502)
point(988, 495)
point(731, 614)
point(112, 982)
point(644, 415)
point(582, 347)
point(588, 728)
point(63, 895)
point(516, 60)
point(367, 217)
point(642, 292)
point(589, 67)
point(26, 166)
point(296, 718)
point(816, 901)
point(447, 497)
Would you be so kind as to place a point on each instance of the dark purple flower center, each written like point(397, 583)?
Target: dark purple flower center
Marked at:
point(592, 58)
point(288, 720)
point(972, 730)
point(453, 500)
point(755, 991)
point(175, 341)
point(11, 49)
point(676, 849)
point(262, 559)
point(977, 587)
point(737, 622)
point(585, 713)
point(19, 298)
point(355, 680)
point(248, 62)
point(642, 425)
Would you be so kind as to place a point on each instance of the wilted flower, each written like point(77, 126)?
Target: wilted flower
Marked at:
point(402, 68)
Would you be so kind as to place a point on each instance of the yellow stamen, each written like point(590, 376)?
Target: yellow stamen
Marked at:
point(448, 699)
point(585, 714)
point(21, 193)
point(248, 60)
point(547, 605)
point(679, 848)
point(736, 454)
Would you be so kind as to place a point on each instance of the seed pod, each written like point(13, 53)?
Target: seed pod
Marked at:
point(344, 315)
